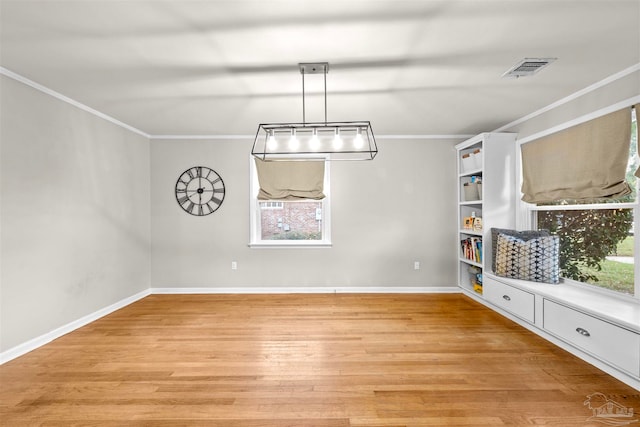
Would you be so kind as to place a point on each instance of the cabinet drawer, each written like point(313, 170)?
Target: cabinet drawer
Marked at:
point(513, 300)
point(611, 343)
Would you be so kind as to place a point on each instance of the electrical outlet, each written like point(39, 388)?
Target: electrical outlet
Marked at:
point(416, 265)
point(234, 265)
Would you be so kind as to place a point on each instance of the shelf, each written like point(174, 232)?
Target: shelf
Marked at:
point(471, 232)
point(468, 261)
point(495, 168)
point(471, 291)
point(471, 172)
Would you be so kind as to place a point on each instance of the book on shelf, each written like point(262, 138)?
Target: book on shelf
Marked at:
point(472, 249)
point(472, 223)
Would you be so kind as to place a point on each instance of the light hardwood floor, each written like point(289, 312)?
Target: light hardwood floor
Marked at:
point(303, 360)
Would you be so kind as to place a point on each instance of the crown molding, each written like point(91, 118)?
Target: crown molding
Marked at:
point(6, 72)
point(582, 119)
point(612, 78)
point(251, 137)
point(201, 137)
point(70, 101)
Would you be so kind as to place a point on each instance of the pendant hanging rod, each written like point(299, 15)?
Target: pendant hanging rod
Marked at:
point(313, 68)
point(325, 94)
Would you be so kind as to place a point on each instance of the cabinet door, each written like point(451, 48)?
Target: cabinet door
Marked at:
point(514, 300)
point(610, 343)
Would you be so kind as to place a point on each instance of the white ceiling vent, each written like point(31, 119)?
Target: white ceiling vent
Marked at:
point(528, 67)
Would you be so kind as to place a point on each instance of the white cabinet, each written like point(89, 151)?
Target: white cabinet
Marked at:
point(516, 301)
point(608, 342)
point(599, 328)
point(603, 330)
point(486, 190)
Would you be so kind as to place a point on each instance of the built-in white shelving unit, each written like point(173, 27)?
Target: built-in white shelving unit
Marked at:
point(600, 328)
point(487, 159)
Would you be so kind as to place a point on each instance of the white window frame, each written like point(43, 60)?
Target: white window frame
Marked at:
point(526, 212)
point(273, 205)
point(256, 240)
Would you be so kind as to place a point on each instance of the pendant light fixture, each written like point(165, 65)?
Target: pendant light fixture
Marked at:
point(310, 140)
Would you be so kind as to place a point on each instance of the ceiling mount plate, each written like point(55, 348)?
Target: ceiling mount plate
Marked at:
point(314, 67)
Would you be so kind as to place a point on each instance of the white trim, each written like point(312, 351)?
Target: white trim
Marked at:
point(582, 119)
point(64, 98)
point(68, 100)
point(46, 338)
point(591, 88)
point(603, 206)
point(461, 136)
point(288, 244)
point(312, 290)
point(251, 137)
point(43, 339)
point(200, 137)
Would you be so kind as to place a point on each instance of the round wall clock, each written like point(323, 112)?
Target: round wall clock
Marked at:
point(200, 191)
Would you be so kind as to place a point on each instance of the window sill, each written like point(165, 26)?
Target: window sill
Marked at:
point(289, 244)
point(619, 310)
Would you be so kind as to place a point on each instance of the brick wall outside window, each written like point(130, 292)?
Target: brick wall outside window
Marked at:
point(298, 217)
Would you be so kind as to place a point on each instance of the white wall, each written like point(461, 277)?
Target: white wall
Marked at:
point(386, 214)
point(77, 206)
point(74, 213)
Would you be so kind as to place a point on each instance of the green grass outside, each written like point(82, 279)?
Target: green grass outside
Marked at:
point(617, 276)
point(614, 275)
point(625, 248)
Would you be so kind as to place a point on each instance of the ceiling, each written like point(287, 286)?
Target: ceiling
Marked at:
point(430, 67)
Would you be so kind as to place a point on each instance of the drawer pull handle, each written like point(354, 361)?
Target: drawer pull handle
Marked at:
point(583, 332)
point(506, 297)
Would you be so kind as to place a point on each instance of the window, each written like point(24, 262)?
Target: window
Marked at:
point(287, 223)
point(271, 205)
point(596, 244)
point(597, 238)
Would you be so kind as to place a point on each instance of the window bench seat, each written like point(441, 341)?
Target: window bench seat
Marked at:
point(600, 328)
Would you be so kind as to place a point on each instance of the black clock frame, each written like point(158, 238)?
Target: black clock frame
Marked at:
point(198, 191)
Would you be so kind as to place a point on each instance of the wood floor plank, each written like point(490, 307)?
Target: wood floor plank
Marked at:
point(334, 360)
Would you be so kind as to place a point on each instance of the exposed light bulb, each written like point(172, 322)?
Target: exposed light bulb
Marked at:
point(358, 141)
point(293, 141)
point(314, 142)
point(272, 144)
point(337, 140)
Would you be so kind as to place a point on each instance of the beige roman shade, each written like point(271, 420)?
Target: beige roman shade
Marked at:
point(290, 180)
point(584, 162)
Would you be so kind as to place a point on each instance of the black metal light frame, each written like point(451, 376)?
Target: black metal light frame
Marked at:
point(302, 141)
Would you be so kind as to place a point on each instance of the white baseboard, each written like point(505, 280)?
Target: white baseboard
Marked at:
point(313, 290)
point(34, 343)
